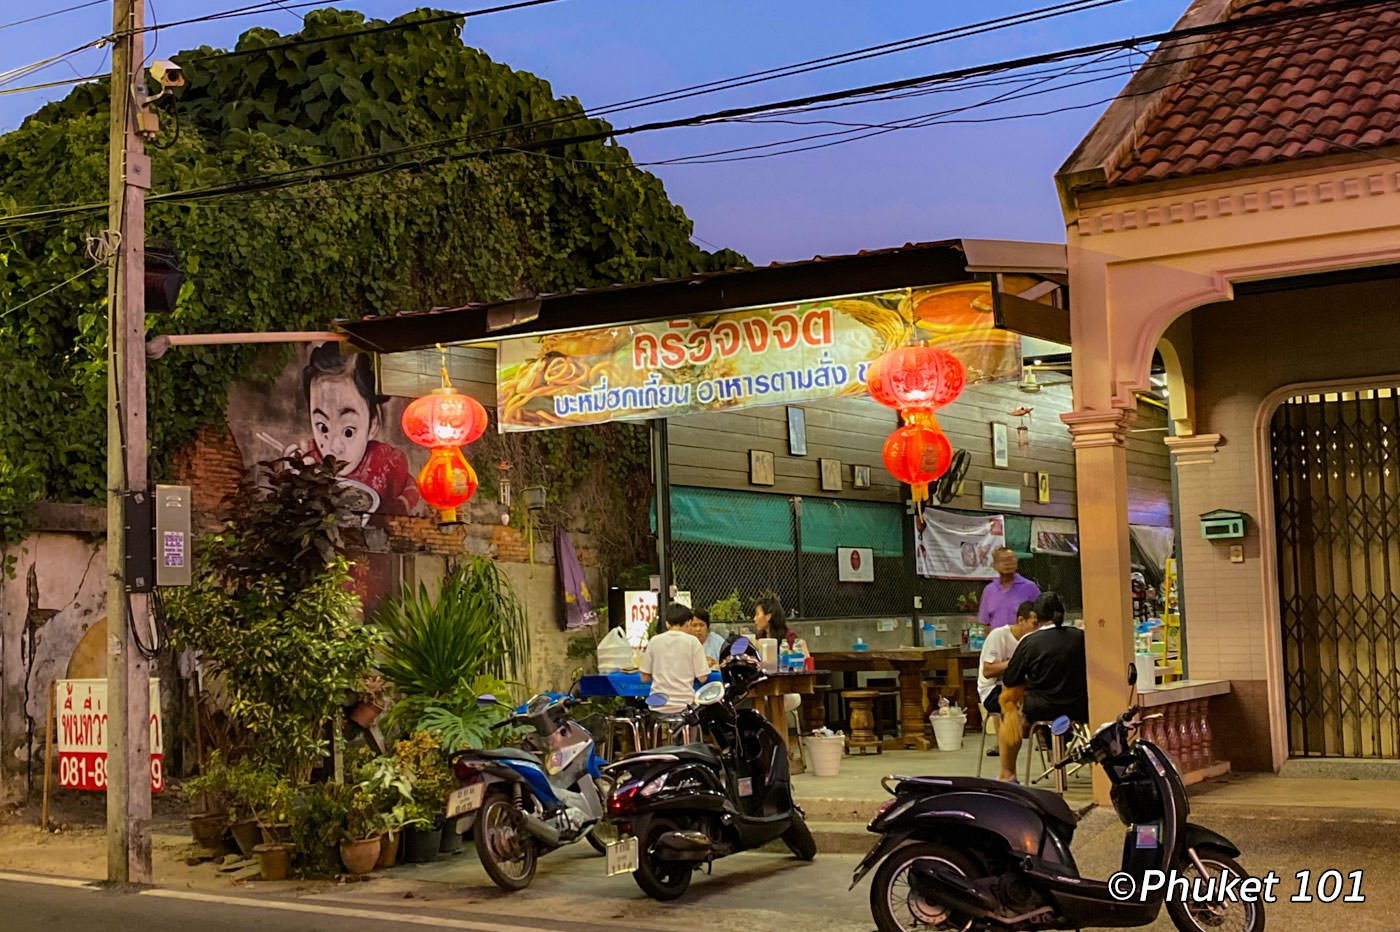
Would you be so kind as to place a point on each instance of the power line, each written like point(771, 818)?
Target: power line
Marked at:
point(60, 83)
point(355, 33)
point(364, 164)
point(46, 293)
point(35, 19)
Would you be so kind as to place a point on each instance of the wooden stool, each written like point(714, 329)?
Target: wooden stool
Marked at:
point(886, 708)
point(862, 735)
point(814, 707)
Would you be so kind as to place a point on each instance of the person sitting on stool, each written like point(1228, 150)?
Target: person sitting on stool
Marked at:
point(996, 657)
point(1044, 680)
point(674, 660)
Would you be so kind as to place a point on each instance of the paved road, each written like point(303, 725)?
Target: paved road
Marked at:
point(754, 892)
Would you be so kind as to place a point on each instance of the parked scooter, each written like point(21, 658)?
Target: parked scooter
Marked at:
point(961, 853)
point(679, 807)
point(528, 801)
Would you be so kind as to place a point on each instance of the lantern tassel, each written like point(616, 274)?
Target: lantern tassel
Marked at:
point(919, 493)
point(442, 354)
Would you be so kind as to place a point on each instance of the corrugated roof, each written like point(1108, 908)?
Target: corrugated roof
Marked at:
point(871, 270)
point(1300, 89)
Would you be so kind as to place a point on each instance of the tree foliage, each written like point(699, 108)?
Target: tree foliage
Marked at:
point(490, 226)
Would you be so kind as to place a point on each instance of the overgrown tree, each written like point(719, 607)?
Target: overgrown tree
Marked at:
point(478, 225)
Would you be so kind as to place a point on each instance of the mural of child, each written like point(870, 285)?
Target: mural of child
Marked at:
point(346, 415)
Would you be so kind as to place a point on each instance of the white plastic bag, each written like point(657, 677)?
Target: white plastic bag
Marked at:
point(614, 653)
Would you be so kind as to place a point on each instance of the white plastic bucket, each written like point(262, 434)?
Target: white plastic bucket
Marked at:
point(948, 731)
point(825, 754)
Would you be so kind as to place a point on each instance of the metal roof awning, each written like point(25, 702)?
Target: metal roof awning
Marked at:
point(916, 264)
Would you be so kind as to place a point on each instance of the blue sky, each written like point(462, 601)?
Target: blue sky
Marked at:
point(990, 179)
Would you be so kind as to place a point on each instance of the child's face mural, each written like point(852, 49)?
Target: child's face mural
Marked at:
point(340, 421)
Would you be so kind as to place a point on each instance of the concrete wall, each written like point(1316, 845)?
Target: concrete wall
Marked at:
point(1245, 350)
point(54, 598)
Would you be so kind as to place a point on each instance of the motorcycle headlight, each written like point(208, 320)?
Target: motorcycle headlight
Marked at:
point(655, 786)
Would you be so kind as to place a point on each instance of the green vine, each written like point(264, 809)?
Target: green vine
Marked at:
point(482, 228)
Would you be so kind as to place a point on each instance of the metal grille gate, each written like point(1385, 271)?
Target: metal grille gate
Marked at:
point(1337, 506)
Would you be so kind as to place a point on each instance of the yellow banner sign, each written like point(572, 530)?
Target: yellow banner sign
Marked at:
point(763, 356)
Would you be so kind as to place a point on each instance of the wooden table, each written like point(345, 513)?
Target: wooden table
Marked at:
point(768, 696)
point(910, 663)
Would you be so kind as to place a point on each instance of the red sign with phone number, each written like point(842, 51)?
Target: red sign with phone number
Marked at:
point(82, 735)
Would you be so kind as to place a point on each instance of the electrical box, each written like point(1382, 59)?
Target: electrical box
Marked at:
point(136, 534)
point(1223, 524)
point(172, 537)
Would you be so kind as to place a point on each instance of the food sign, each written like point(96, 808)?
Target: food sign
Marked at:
point(761, 356)
point(82, 735)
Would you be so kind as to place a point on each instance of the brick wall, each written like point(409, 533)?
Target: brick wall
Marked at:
point(212, 466)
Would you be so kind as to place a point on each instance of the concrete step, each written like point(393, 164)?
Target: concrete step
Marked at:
point(834, 838)
point(852, 811)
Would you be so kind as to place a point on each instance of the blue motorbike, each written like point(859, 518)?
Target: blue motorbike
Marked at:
point(531, 800)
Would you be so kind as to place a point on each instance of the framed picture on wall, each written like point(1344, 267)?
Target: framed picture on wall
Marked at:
point(831, 475)
point(1000, 453)
point(797, 431)
point(760, 467)
point(860, 477)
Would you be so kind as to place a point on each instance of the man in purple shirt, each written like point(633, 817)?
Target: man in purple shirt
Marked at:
point(1006, 592)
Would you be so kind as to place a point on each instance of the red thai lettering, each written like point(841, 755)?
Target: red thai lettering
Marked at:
point(727, 338)
point(756, 332)
point(816, 327)
point(785, 330)
point(644, 351)
point(672, 350)
point(702, 347)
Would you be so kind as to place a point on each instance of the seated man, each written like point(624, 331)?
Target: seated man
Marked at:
point(674, 660)
point(1044, 680)
point(710, 642)
point(996, 656)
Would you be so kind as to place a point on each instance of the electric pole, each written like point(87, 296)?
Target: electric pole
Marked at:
point(128, 613)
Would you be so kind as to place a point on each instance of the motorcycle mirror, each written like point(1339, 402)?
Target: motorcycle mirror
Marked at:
point(485, 699)
point(1132, 674)
point(657, 700)
point(741, 646)
point(1061, 725)
point(709, 694)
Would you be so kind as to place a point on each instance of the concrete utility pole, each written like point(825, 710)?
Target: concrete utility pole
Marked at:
point(128, 697)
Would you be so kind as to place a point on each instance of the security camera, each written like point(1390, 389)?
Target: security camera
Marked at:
point(167, 74)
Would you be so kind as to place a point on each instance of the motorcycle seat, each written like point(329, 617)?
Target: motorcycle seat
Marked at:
point(692, 752)
point(507, 754)
point(1051, 805)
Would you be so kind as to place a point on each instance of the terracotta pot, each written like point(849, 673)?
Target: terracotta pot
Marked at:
point(208, 829)
point(359, 856)
point(388, 849)
point(246, 835)
point(275, 861)
point(364, 713)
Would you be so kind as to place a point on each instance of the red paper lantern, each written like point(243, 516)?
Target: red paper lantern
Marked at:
point(915, 377)
point(445, 418)
point(446, 481)
point(916, 455)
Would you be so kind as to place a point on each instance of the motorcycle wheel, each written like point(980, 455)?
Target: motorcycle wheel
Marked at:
point(659, 879)
point(506, 853)
point(1215, 917)
point(895, 905)
point(799, 840)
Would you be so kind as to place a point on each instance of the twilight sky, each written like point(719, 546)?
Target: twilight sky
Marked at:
point(985, 179)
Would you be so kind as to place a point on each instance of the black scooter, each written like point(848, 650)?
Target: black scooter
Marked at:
point(961, 853)
point(679, 807)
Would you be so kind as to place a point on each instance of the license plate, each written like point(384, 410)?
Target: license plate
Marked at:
point(465, 799)
point(622, 856)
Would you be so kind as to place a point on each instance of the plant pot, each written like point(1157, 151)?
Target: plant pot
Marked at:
point(275, 861)
point(451, 839)
point(275, 833)
point(359, 856)
point(388, 849)
point(365, 713)
point(246, 835)
point(208, 829)
point(421, 845)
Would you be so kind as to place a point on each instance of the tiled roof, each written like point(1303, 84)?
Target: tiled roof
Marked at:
point(1308, 87)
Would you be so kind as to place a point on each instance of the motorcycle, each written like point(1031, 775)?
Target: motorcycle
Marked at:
point(974, 855)
point(675, 808)
point(531, 800)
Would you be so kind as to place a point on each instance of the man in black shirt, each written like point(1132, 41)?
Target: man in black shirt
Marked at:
point(1049, 664)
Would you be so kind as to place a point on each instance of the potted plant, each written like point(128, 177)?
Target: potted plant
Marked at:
point(421, 760)
point(275, 812)
point(391, 793)
point(209, 804)
point(319, 816)
point(249, 787)
point(359, 843)
point(369, 700)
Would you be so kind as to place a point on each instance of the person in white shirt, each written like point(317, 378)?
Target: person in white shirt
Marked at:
point(996, 655)
point(674, 660)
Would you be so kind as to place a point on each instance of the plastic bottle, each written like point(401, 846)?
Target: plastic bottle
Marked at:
point(860, 644)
